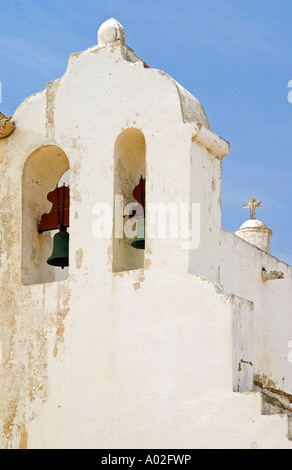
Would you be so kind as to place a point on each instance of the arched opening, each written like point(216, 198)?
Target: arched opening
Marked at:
point(130, 166)
point(42, 171)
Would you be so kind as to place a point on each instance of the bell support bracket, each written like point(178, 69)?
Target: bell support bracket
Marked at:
point(139, 195)
point(60, 198)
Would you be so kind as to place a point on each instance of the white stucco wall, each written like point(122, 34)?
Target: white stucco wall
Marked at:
point(240, 272)
point(206, 173)
point(147, 358)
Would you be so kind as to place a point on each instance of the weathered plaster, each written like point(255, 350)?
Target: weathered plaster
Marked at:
point(241, 271)
point(147, 357)
point(7, 126)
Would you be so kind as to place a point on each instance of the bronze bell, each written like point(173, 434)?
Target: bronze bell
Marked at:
point(139, 240)
point(60, 254)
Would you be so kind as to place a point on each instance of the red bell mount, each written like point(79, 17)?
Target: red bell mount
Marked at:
point(139, 194)
point(59, 214)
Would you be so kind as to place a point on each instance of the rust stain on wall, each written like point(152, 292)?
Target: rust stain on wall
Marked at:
point(23, 439)
point(110, 254)
point(147, 263)
point(243, 362)
point(79, 258)
point(51, 90)
point(9, 422)
point(265, 383)
point(137, 285)
point(62, 312)
point(74, 178)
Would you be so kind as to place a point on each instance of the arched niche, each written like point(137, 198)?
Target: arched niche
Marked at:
point(129, 166)
point(42, 171)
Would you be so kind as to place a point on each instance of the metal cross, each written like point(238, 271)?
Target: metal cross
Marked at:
point(252, 206)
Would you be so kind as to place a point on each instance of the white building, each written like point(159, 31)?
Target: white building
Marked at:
point(182, 345)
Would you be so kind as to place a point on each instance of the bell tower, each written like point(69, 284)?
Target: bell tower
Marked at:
point(133, 344)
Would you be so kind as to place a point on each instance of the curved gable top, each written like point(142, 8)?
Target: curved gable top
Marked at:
point(109, 86)
point(111, 44)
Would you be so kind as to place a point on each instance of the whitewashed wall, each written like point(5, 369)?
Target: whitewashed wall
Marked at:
point(240, 272)
point(146, 358)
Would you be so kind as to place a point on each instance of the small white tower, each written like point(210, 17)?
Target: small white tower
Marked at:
point(254, 231)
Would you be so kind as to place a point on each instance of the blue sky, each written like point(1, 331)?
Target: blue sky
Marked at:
point(235, 56)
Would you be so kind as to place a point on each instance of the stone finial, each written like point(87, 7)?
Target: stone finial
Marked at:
point(6, 126)
point(110, 31)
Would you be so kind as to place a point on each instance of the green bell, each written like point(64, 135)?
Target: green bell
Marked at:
point(139, 241)
point(60, 255)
